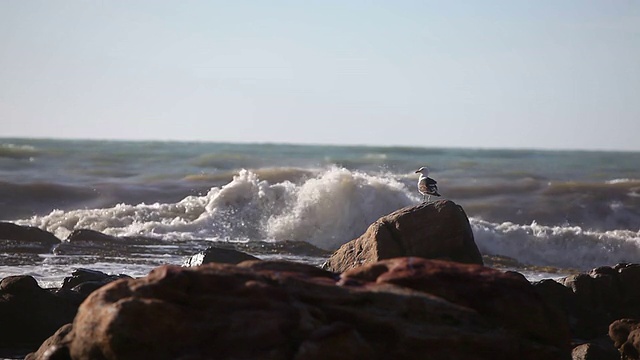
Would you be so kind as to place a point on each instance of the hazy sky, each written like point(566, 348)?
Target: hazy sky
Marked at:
point(514, 74)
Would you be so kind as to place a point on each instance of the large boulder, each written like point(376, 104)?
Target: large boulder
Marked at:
point(436, 230)
point(279, 310)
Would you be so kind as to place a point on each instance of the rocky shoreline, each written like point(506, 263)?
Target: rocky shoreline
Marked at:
point(412, 287)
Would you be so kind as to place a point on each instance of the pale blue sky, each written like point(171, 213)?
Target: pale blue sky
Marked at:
point(499, 74)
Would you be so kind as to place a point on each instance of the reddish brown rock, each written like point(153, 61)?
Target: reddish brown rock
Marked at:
point(53, 348)
point(505, 297)
point(279, 310)
point(437, 230)
point(625, 334)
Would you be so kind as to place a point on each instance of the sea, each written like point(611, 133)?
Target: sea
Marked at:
point(543, 213)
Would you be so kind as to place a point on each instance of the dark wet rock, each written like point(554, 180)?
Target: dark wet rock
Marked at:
point(88, 235)
point(215, 254)
point(91, 242)
point(11, 231)
point(279, 310)
point(30, 314)
point(25, 239)
point(600, 297)
point(436, 230)
point(85, 281)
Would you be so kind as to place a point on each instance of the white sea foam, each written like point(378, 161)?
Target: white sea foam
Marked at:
point(331, 208)
point(326, 211)
point(561, 246)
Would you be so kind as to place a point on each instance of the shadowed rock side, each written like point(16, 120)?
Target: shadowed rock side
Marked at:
point(29, 314)
point(436, 230)
point(280, 310)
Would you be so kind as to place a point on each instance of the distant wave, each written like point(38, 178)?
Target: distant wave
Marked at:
point(12, 151)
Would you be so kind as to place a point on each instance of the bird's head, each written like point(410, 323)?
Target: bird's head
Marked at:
point(423, 170)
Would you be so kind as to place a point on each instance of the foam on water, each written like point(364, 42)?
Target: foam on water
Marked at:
point(327, 211)
point(331, 206)
point(559, 246)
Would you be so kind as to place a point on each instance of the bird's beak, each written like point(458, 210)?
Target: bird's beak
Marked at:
point(417, 171)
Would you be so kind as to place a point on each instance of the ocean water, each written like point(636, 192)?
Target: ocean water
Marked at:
point(543, 213)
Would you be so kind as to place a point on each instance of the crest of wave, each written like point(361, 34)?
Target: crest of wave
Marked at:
point(559, 246)
point(336, 207)
point(328, 210)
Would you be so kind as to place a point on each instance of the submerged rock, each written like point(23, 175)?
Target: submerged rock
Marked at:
point(85, 281)
point(436, 230)
point(399, 309)
point(11, 231)
point(15, 238)
point(215, 254)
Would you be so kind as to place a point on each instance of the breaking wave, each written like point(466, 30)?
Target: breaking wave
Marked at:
point(333, 206)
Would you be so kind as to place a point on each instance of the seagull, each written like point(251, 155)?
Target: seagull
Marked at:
point(426, 185)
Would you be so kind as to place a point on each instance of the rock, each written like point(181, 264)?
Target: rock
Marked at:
point(30, 314)
point(53, 348)
point(600, 297)
point(279, 310)
point(11, 231)
point(505, 297)
point(599, 349)
point(88, 235)
point(218, 255)
point(437, 230)
point(95, 243)
point(85, 281)
point(26, 239)
point(626, 337)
